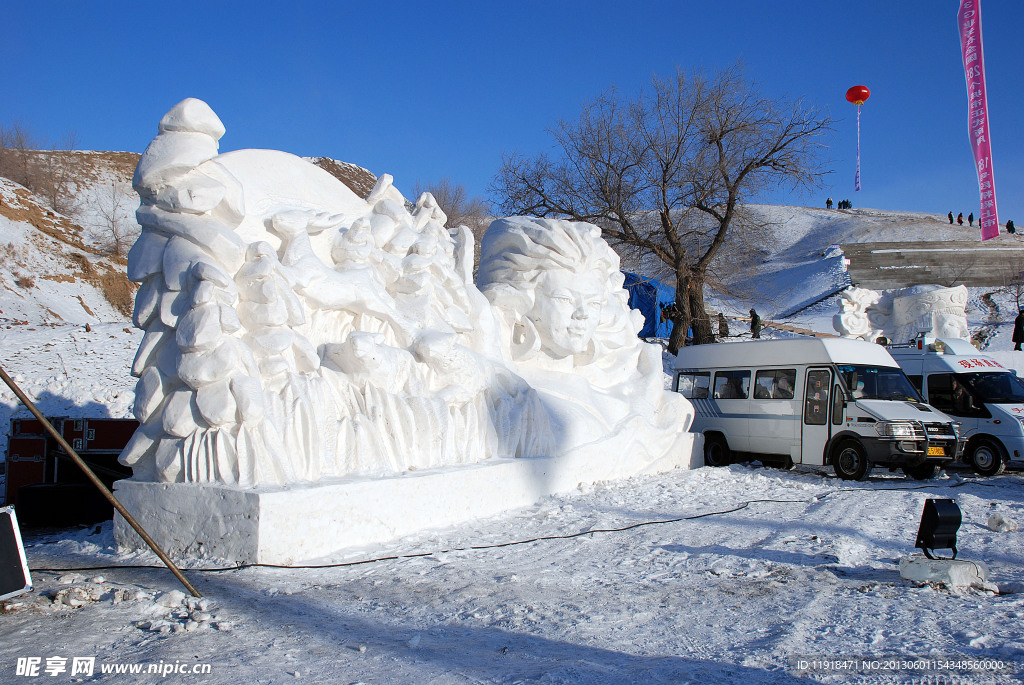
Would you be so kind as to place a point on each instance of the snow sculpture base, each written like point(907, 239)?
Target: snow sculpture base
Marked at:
point(290, 525)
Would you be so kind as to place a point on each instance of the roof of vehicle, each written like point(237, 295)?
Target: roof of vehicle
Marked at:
point(947, 353)
point(791, 351)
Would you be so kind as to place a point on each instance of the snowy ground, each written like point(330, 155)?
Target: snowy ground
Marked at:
point(598, 591)
point(619, 583)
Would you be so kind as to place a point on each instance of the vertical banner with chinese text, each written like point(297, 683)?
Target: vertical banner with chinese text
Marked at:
point(968, 20)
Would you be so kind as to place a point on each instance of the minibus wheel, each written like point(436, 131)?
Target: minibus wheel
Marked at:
point(716, 450)
point(985, 457)
point(850, 461)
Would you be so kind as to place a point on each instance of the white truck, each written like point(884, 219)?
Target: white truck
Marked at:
point(979, 392)
point(815, 401)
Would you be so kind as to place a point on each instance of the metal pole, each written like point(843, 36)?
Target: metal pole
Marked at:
point(98, 483)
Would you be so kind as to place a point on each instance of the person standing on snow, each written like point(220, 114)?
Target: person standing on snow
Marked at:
point(970, 219)
point(1018, 331)
point(828, 203)
point(755, 324)
point(950, 215)
point(723, 326)
point(1010, 227)
point(960, 219)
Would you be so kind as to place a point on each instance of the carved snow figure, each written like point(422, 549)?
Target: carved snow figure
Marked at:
point(295, 332)
point(306, 350)
point(573, 337)
point(855, 308)
point(902, 315)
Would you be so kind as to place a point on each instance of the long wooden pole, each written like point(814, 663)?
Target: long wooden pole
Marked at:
point(98, 483)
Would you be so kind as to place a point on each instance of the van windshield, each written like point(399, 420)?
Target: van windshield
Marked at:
point(994, 387)
point(877, 383)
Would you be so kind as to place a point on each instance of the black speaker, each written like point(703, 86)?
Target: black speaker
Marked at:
point(940, 521)
point(14, 576)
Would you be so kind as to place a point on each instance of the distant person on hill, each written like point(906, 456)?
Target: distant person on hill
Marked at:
point(1010, 227)
point(950, 215)
point(970, 219)
point(723, 326)
point(755, 324)
point(1018, 331)
point(960, 219)
point(828, 203)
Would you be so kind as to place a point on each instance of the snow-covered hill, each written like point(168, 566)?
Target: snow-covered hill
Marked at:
point(801, 264)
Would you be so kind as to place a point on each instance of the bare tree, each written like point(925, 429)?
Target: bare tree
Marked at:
point(665, 174)
point(57, 181)
point(461, 209)
point(956, 271)
point(15, 160)
point(1012, 277)
point(114, 208)
point(50, 174)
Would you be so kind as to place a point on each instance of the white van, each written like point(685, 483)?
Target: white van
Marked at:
point(979, 392)
point(813, 401)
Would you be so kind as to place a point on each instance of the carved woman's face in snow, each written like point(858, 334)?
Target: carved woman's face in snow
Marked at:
point(566, 311)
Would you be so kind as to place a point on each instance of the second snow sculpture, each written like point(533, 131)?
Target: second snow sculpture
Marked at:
point(902, 315)
point(296, 333)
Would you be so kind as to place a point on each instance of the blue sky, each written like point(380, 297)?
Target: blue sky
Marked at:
point(428, 90)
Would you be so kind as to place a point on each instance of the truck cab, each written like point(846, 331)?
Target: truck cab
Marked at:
point(986, 398)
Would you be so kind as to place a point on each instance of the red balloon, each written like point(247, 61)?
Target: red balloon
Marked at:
point(858, 94)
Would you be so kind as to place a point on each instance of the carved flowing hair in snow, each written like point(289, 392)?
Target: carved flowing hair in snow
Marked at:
point(519, 253)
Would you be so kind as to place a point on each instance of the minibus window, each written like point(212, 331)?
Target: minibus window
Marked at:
point(838, 403)
point(996, 387)
point(816, 399)
point(732, 385)
point(940, 392)
point(775, 384)
point(694, 385)
point(877, 383)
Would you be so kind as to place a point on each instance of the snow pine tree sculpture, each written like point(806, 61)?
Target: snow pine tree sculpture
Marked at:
point(296, 334)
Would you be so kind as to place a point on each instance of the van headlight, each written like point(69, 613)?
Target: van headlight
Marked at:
point(895, 429)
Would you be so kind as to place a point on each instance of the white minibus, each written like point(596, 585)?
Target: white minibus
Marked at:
point(979, 392)
point(815, 401)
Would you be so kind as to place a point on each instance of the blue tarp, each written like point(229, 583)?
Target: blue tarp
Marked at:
point(649, 295)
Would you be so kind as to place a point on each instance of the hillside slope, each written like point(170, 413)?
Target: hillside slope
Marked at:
point(53, 270)
point(802, 264)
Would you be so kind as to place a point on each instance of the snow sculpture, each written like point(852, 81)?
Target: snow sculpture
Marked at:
point(855, 312)
point(572, 336)
point(902, 315)
point(296, 333)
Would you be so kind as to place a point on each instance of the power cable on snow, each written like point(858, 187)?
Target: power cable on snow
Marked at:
point(513, 543)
